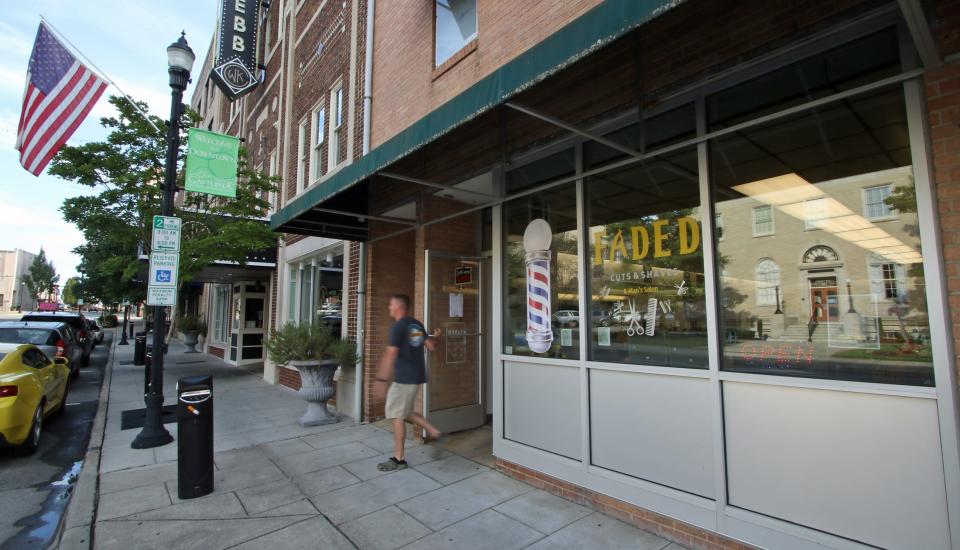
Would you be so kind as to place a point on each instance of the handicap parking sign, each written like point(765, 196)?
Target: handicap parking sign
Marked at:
point(164, 275)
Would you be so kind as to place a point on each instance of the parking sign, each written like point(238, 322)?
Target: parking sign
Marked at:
point(166, 234)
point(163, 269)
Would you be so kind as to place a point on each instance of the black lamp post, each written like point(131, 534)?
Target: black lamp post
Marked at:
point(779, 311)
point(850, 298)
point(180, 60)
point(123, 332)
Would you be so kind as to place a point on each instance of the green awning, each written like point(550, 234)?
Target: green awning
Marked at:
point(588, 33)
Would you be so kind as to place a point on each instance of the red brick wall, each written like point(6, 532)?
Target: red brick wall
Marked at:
point(404, 83)
point(943, 105)
point(289, 377)
point(390, 270)
point(668, 528)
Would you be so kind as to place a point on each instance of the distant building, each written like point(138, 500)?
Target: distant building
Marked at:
point(14, 266)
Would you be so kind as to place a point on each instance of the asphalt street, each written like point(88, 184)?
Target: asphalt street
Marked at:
point(35, 490)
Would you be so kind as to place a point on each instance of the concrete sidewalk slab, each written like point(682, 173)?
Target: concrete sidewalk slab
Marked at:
point(280, 485)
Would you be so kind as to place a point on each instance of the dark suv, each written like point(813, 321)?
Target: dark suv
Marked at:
point(75, 321)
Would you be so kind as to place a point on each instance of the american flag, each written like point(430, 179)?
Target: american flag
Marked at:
point(60, 92)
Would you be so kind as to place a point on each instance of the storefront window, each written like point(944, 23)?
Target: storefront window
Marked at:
point(647, 303)
point(306, 295)
point(541, 308)
point(837, 290)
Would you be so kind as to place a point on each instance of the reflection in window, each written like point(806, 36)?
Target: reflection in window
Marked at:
point(851, 294)
point(456, 26)
point(875, 204)
point(541, 308)
point(762, 221)
point(768, 282)
point(646, 286)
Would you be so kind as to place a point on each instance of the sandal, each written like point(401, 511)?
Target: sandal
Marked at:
point(392, 464)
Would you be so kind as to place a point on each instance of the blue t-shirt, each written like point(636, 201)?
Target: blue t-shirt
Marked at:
point(408, 335)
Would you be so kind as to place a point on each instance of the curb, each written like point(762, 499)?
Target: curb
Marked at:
point(76, 526)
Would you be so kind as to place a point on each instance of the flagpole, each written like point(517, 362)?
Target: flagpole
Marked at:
point(100, 72)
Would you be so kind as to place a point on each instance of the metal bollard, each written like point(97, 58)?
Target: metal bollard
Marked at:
point(194, 436)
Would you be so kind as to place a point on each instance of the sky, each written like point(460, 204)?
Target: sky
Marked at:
point(127, 40)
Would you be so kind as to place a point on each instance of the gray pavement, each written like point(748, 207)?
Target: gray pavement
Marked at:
point(279, 485)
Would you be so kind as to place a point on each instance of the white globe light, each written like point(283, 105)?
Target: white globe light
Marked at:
point(538, 235)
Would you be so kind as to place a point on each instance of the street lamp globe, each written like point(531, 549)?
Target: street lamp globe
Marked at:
point(179, 54)
point(180, 60)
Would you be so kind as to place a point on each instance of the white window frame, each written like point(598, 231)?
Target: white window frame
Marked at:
point(765, 288)
point(273, 167)
point(466, 42)
point(293, 294)
point(814, 210)
point(753, 214)
point(335, 126)
point(317, 139)
point(302, 154)
point(222, 298)
point(891, 211)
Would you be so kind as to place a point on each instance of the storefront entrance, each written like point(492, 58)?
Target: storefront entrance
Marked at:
point(454, 398)
point(246, 337)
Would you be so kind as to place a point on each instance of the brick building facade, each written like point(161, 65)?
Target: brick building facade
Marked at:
point(750, 277)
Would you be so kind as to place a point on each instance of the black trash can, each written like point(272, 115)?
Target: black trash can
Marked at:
point(194, 436)
point(140, 348)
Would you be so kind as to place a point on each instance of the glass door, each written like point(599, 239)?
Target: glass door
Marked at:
point(453, 400)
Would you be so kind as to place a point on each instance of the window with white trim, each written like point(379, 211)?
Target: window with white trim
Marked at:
point(336, 125)
point(455, 27)
point(221, 314)
point(767, 279)
point(274, 166)
point(888, 280)
point(875, 206)
point(814, 212)
point(718, 225)
point(292, 295)
point(302, 155)
point(763, 220)
point(317, 139)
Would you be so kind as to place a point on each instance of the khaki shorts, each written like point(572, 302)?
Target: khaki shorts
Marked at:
point(400, 398)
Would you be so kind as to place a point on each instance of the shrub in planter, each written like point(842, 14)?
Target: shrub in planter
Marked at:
point(191, 326)
point(108, 321)
point(316, 353)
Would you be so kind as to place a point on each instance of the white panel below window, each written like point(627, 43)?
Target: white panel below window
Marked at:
point(862, 466)
point(542, 407)
point(653, 427)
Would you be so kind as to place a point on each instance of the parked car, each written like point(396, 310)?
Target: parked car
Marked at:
point(32, 387)
point(53, 339)
point(96, 334)
point(76, 321)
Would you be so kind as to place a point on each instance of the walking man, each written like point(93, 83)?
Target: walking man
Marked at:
point(405, 362)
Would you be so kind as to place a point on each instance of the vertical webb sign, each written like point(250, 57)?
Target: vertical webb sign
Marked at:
point(211, 163)
point(235, 68)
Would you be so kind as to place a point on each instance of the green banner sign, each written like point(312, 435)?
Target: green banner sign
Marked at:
point(211, 163)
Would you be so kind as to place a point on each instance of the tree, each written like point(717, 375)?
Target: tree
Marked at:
point(126, 172)
point(69, 295)
point(42, 278)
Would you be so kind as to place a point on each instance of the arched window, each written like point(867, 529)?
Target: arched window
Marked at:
point(767, 277)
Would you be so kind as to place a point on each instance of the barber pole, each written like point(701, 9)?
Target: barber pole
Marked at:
point(536, 244)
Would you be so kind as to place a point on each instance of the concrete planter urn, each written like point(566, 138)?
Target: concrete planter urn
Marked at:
point(190, 339)
point(316, 379)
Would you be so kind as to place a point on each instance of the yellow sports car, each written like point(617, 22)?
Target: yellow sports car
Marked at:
point(32, 387)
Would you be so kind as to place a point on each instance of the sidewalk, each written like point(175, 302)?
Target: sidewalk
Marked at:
point(279, 485)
